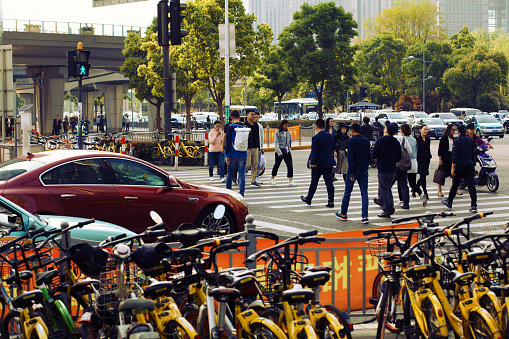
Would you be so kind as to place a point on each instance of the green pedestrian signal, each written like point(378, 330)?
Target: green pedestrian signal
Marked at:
point(82, 65)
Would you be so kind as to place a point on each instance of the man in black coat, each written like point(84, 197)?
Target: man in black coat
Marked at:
point(321, 161)
point(463, 167)
point(388, 152)
point(367, 130)
point(57, 126)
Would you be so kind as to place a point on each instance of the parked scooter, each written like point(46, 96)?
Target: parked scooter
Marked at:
point(486, 176)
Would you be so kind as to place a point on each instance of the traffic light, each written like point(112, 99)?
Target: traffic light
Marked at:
point(82, 65)
point(176, 33)
point(163, 36)
point(71, 64)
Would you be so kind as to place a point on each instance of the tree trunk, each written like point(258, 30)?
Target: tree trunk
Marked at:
point(158, 116)
point(279, 111)
point(188, 115)
point(221, 113)
point(320, 104)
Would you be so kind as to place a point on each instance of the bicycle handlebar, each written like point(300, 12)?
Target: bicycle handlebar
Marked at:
point(442, 214)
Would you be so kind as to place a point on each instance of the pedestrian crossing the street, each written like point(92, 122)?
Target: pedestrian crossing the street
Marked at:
point(279, 207)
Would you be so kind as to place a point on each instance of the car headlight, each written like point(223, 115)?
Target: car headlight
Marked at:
point(238, 197)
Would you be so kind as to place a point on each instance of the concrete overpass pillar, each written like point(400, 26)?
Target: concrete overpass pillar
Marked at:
point(113, 98)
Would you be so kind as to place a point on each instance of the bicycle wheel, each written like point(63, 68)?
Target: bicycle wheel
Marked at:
point(383, 309)
point(487, 303)
point(156, 157)
point(432, 321)
point(262, 331)
point(376, 291)
point(412, 329)
point(173, 330)
point(63, 317)
point(12, 325)
point(324, 330)
point(479, 327)
point(334, 310)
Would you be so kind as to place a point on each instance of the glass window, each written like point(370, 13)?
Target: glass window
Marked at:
point(10, 169)
point(9, 219)
point(134, 173)
point(81, 172)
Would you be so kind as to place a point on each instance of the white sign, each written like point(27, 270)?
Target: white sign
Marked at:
point(101, 3)
point(222, 39)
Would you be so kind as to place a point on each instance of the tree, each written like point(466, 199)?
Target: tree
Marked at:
point(488, 103)
point(380, 60)
point(135, 57)
point(462, 43)
point(318, 48)
point(275, 74)
point(20, 101)
point(99, 101)
point(202, 20)
point(477, 73)
point(409, 20)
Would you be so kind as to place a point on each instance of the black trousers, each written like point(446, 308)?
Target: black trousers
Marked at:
point(403, 192)
point(422, 183)
point(412, 178)
point(316, 173)
point(467, 173)
point(289, 164)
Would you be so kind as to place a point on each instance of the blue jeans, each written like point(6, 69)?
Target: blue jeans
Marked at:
point(363, 185)
point(240, 163)
point(213, 156)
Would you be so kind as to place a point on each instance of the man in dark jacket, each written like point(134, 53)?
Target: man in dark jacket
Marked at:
point(367, 130)
point(321, 161)
point(253, 147)
point(57, 126)
point(388, 152)
point(463, 167)
point(378, 128)
point(359, 157)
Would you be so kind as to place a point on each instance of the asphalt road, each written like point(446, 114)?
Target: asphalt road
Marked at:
point(279, 208)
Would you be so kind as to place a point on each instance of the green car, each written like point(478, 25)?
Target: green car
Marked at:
point(12, 215)
point(486, 125)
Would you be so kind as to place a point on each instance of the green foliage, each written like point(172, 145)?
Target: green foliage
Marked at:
point(462, 43)
point(20, 101)
point(504, 104)
point(380, 60)
point(488, 103)
point(477, 73)
point(409, 20)
point(318, 47)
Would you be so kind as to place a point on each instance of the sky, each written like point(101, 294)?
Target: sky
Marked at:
point(132, 14)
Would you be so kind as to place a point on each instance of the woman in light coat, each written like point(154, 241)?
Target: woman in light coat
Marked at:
point(283, 147)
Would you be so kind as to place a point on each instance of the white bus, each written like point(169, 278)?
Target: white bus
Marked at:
point(296, 108)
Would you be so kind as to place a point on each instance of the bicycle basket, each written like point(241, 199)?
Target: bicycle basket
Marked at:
point(380, 247)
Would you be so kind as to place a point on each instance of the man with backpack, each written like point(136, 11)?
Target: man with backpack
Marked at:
point(388, 152)
point(235, 151)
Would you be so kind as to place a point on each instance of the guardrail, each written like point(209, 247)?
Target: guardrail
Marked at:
point(56, 27)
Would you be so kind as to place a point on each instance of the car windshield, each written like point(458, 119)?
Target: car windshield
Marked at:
point(486, 118)
point(420, 115)
point(395, 116)
point(433, 121)
point(448, 116)
point(15, 167)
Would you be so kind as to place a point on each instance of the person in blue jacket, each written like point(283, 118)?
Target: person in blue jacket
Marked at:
point(321, 161)
point(234, 158)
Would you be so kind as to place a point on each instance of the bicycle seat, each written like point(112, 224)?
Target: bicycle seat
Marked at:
point(25, 300)
point(45, 277)
point(244, 281)
point(420, 271)
point(463, 278)
point(318, 268)
point(164, 140)
point(84, 285)
point(500, 291)
point(158, 289)
point(23, 276)
point(480, 258)
point(298, 295)
point(314, 279)
point(225, 294)
point(133, 304)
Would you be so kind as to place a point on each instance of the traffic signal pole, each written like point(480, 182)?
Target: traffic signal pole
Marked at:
point(80, 102)
point(167, 105)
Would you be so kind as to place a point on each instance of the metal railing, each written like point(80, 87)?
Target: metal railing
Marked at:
point(55, 27)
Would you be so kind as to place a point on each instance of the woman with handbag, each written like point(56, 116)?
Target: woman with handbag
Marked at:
point(282, 147)
point(423, 159)
point(445, 158)
point(341, 139)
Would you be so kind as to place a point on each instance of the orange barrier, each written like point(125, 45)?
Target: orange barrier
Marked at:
point(268, 133)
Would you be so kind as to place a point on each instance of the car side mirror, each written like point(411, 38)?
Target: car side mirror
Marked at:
point(172, 182)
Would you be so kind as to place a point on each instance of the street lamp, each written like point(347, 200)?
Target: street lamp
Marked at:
point(423, 60)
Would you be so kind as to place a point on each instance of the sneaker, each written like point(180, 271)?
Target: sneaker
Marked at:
point(273, 181)
point(341, 216)
point(365, 220)
point(254, 184)
point(400, 203)
point(446, 203)
point(222, 180)
point(211, 178)
point(473, 209)
point(383, 215)
point(258, 181)
point(292, 184)
point(424, 200)
point(405, 207)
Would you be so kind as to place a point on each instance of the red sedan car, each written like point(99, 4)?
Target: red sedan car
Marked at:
point(115, 188)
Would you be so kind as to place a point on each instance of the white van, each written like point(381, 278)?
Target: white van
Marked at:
point(463, 112)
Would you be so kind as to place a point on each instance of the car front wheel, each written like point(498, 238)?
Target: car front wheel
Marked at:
point(206, 220)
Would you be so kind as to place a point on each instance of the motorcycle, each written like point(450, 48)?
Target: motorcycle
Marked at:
point(486, 176)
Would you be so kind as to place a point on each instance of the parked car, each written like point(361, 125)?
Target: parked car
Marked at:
point(436, 127)
point(392, 117)
point(412, 116)
point(268, 117)
point(177, 122)
point(485, 125)
point(349, 116)
point(500, 116)
point(14, 216)
point(115, 188)
point(448, 118)
point(463, 112)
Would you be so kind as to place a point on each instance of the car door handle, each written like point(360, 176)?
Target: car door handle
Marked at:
point(67, 195)
point(192, 199)
point(130, 197)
